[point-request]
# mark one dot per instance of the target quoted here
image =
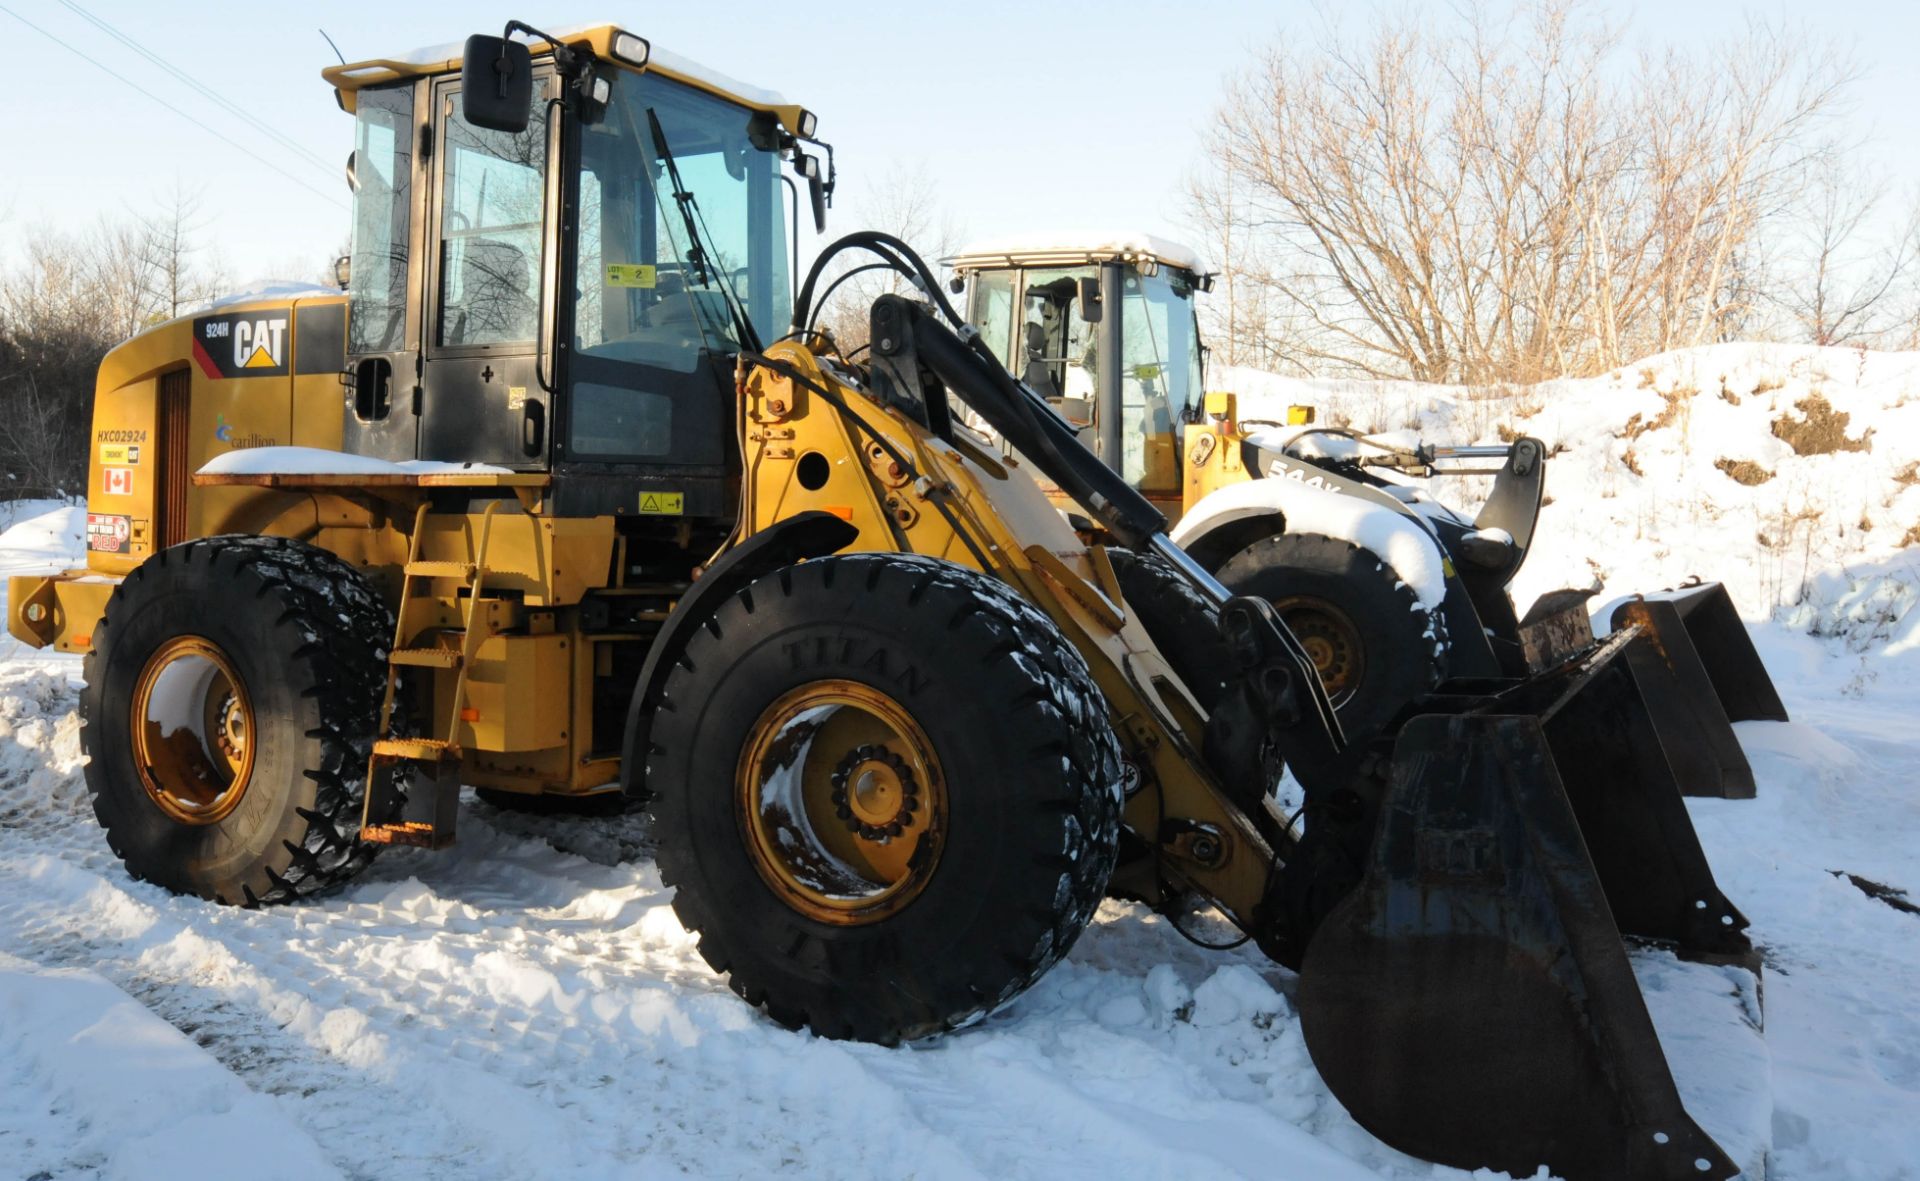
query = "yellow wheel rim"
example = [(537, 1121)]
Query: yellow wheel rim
[(193, 731), (842, 802), (1331, 639)]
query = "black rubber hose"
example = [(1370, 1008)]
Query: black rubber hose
[(897, 253)]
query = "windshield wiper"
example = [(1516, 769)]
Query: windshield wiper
[(706, 268)]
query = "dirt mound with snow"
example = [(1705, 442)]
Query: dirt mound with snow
[(1788, 472)]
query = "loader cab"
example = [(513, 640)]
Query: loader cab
[(1106, 332), (566, 295)]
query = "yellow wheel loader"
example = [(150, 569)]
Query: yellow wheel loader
[(1390, 591), (551, 503)]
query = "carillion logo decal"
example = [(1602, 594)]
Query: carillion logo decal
[(242, 344), (223, 431)]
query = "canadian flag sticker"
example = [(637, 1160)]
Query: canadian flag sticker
[(116, 481)]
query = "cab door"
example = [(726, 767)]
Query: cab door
[(489, 298)]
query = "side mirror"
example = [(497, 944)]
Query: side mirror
[(809, 167), (496, 84), (1091, 309), (817, 193)]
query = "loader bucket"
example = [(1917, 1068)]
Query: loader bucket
[(1470, 1001), (1699, 675)]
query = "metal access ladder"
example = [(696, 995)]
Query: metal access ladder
[(413, 781)]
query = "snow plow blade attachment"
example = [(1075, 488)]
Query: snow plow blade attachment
[(1700, 674), (1470, 1001)]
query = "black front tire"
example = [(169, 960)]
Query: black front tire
[(1030, 764), (306, 637)]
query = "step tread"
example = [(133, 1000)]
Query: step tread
[(426, 657), (431, 749), (433, 568), (408, 832)]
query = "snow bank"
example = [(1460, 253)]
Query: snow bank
[(313, 461), (90, 1079), (36, 533), (1676, 467)]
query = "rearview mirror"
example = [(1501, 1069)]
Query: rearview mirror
[(809, 167), (496, 84), (1091, 308), (817, 193)]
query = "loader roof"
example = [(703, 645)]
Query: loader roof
[(350, 77), (1070, 247)]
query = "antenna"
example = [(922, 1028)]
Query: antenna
[(335, 48)]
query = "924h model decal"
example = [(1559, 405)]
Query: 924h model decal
[(243, 344)]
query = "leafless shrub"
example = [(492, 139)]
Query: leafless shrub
[(1507, 198)]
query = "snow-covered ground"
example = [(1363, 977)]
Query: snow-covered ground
[(525, 1004)]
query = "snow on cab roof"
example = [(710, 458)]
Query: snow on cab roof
[(438, 58), (1070, 246), (266, 291)]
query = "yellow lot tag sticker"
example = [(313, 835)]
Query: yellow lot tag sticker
[(629, 274), (119, 454), (662, 504)]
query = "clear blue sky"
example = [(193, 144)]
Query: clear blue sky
[(1027, 114)]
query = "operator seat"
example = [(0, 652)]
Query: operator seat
[(1038, 377), (495, 307)]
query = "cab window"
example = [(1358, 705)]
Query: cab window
[(491, 214), (1160, 375), (382, 204), (991, 311)]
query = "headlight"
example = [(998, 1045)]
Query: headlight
[(807, 123), (631, 49)]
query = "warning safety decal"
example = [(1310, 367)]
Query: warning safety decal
[(108, 534), (243, 344)]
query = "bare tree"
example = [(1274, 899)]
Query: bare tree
[(177, 276), (65, 301), (905, 202), (1843, 274), (1507, 199)]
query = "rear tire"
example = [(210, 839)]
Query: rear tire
[(941, 687), (231, 698), (1184, 626), (1376, 646)]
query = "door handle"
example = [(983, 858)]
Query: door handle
[(533, 427)]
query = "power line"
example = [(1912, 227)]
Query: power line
[(234, 144), (202, 88)]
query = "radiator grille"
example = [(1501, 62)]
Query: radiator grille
[(175, 397)]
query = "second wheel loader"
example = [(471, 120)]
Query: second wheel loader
[(548, 505), (1391, 591)]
